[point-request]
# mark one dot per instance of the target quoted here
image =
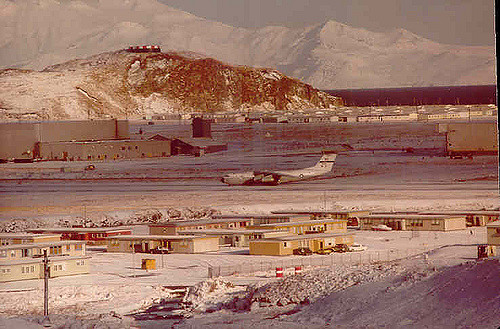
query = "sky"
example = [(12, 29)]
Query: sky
[(463, 22)]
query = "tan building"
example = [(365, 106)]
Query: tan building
[(20, 138), (24, 261), (176, 227), (179, 244), (282, 246), (493, 233), (473, 217), (265, 219), (307, 227), (102, 150), (471, 138), (235, 237), (414, 222), (349, 215), (27, 238), (91, 235)]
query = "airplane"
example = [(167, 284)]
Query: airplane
[(324, 165)]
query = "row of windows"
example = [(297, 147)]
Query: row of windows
[(28, 269)]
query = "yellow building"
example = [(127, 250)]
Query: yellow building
[(26, 238), (282, 246), (414, 222), (183, 244), (305, 227), (24, 261)]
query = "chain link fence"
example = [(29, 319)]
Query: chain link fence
[(349, 258)]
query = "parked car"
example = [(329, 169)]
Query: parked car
[(90, 167), (341, 248), (357, 247), (159, 250), (381, 227), (302, 251), (327, 251)]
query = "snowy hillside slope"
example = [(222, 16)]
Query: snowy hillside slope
[(329, 55), (132, 85)]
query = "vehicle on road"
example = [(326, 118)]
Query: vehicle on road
[(381, 227), (327, 251), (324, 166), (357, 247), (340, 248), (302, 251), (159, 251)]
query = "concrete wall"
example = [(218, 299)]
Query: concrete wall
[(480, 137), (103, 150)]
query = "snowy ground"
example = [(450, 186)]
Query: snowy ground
[(35, 194)]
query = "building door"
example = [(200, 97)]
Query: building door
[(321, 245), (399, 226), (146, 246)]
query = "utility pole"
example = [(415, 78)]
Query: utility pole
[(46, 274)]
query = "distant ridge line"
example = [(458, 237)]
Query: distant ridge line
[(413, 96)]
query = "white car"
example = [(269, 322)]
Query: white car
[(357, 247), (381, 227)]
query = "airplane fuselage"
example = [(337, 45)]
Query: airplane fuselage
[(324, 165)]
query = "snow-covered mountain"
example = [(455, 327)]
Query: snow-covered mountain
[(331, 55)]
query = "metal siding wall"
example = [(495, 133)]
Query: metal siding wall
[(474, 137), (17, 138)]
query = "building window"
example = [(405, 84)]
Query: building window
[(68, 247), (25, 253), (78, 247), (285, 244)]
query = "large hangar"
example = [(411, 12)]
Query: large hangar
[(467, 138), (75, 140)]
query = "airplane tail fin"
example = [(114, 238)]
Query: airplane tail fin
[(327, 161)]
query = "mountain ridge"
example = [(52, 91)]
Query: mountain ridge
[(328, 55)]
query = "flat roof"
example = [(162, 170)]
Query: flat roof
[(42, 244), (325, 212), (304, 237), (465, 212), (82, 229), (409, 216), (253, 216), (305, 222), (26, 235), (154, 237), (200, 222), (227, 231)]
